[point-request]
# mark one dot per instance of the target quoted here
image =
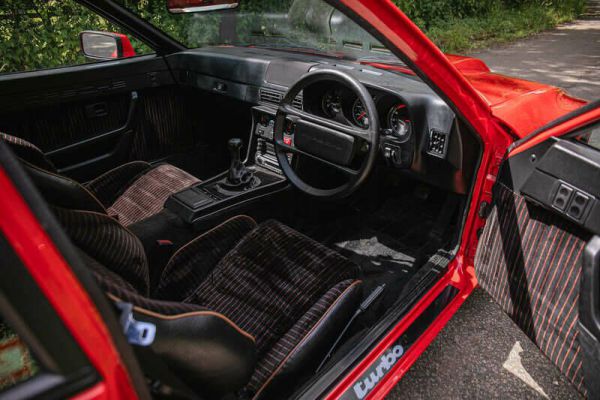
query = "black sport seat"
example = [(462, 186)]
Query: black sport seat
[(242, 308), (131, 192)]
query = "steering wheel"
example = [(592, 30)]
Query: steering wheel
[(325, 140)]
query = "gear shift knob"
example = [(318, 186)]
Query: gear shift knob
[(235, 145), (236, 167)]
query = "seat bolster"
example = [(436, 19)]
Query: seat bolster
[(111, 184), (204, 349), (63, 192), (301, 363)]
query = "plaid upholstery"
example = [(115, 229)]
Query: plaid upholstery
[(146, 196), (110, 244), (270, 279), (28, 152), (191, 264), (110, 185), (293, 337), (529, 260)]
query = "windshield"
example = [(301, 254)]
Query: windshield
[(301, 25)]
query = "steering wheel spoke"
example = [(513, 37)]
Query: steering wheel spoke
[(294, 115), (291, 149)]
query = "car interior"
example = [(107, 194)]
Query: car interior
[(269, 212)]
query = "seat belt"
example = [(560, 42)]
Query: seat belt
[(161, 381), (362, 308)]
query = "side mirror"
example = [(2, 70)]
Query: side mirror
[(105, 45), (192, 6)]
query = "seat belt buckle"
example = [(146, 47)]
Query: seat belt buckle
[(137, 332)]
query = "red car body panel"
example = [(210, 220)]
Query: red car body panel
[(498, 108), (516, 102), (59, 285), (513, 101)]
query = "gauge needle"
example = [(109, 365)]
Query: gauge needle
[(362, 115)]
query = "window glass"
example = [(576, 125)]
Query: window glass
[(311, 26), (16, 362), (590, 136), (40, 34)]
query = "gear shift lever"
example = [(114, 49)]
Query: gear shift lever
[(239, 178), (236, 168)]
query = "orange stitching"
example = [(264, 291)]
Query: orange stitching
[(282, 363), (185, 315)]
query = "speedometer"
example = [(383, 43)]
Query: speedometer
[(359, 114), (399, 123)]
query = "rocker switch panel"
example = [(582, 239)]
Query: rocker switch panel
[(579, 204), (571, 201), (562, 197)]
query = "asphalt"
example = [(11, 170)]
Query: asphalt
[(481, 353)]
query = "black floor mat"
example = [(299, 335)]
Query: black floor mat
[(389, 239)]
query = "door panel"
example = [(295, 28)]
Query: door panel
[(531, 253), (83, 117), (529, 260)]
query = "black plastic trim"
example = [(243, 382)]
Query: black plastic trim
[(543, 171), (589, 317)]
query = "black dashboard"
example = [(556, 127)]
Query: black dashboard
[(419, 131)]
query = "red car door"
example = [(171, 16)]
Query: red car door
[(539, 253), (56, 332)]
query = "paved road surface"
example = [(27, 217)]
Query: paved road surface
[(481, 354), (567, 57)]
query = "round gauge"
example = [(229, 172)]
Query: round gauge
[(359, 114), (331, 103), (399, 123)]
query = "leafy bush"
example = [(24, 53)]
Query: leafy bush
[(36, 34)]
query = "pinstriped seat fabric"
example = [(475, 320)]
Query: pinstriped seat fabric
[(243, 309), (131, 192), (287, 292)]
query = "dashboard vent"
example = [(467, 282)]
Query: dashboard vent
[(272, 96)]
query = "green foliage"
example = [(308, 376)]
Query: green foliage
[(36, 34), (502, 24), (432, 13)]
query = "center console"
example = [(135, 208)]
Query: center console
[(245, 181)]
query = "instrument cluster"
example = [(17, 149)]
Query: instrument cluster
[(343, 106)]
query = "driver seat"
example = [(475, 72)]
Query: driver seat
[(245, 308)]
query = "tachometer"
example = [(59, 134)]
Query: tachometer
[(399, 123), (359, 114), (331, 103)]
